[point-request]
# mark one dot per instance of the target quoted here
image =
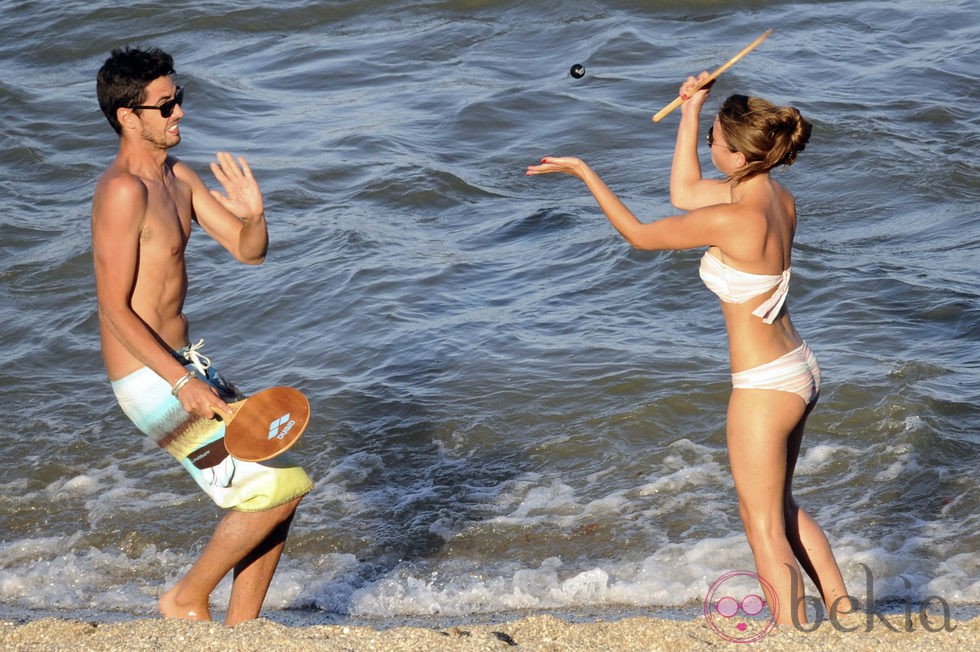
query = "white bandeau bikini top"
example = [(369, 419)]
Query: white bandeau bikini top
[(735, 286)]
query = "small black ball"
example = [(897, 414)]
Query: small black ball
[(577, 71)]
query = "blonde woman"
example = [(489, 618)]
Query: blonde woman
[(747, 221)]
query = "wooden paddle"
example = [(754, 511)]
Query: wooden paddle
[(266, 423), (710, 78)]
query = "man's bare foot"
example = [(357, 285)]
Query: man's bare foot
[(170, 608)]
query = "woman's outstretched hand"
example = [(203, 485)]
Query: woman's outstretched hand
[(567, 164)]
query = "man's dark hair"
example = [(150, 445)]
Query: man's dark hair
[(124, 76)]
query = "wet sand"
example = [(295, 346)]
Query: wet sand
[(538, 632)]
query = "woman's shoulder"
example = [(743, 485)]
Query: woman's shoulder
[(736, 229)]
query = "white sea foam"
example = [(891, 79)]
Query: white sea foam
[(84, 578), (677, 576)]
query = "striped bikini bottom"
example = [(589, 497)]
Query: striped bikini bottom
[(796, 372)]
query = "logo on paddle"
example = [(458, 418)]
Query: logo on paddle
[(281, 426)]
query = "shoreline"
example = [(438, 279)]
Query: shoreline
[(540, 631)]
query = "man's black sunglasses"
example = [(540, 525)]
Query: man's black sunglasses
[(167, 108)]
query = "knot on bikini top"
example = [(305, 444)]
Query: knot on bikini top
[(735, 286)]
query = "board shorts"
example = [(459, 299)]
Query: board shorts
[(198, 444)]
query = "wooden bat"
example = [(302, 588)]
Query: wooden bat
[(710, 78)]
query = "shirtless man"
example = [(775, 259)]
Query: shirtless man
[(142, 212)]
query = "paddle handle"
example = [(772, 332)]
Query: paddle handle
[(227, 417), (710, 78)]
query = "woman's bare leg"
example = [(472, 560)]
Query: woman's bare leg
[(759, 423), (765, 428), (808, 539)]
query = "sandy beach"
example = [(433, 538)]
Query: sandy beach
[(539, 632)]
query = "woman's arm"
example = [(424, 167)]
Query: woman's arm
[(701, 228), (688, 189)]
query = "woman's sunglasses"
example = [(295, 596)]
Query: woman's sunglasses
[(167, 108), (710, 138)]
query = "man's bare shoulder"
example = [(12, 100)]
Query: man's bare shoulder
[(119, 193), (182, 171), (117, 178)]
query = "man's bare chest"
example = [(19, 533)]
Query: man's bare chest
[(167, 222)]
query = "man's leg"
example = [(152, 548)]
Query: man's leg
[(253, 574), (236, 537)]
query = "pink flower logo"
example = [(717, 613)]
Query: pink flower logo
[(734, 612)]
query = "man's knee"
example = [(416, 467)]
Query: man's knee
[(277, 515), (287, 510)]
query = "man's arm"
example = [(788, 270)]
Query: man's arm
[(235, 219), (118, 213), (117, 220)]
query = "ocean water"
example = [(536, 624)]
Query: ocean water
[(513, 411)]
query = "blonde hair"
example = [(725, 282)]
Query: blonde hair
[(766, 134)]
